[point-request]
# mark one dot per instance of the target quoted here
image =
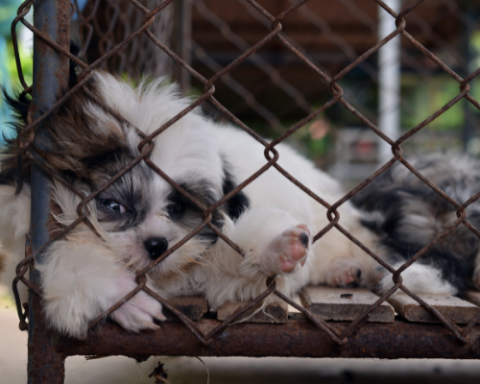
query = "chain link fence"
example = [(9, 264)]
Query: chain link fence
[(109, 41)]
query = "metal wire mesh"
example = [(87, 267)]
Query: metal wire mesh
[(104, 24), (142, 30), (331, 38)]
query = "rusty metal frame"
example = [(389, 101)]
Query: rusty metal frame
[(50, 74), (308, 336), (297, 337)]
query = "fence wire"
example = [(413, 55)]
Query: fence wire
[(128, 41)]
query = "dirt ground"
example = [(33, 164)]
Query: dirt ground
[(122, 370)]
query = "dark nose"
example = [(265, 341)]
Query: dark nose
[(155, 246)]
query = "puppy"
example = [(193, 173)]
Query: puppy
[(141, 216), (407, 215)]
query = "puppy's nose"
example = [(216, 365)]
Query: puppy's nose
[(155, 246)]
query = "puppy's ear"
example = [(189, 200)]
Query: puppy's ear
[(20, 104), (80, 136)]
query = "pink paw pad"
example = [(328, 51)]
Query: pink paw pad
[(289, 249)]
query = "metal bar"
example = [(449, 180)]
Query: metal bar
[(298, 338), (50, 79), (388, 81)]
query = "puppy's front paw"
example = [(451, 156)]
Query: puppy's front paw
[(287, 250), (344, 273), (139, 313)]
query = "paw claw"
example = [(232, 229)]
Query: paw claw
[(304, 239), (345, 273)]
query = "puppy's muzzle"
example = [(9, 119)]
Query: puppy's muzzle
[(155, 246)]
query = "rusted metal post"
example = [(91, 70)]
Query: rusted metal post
[(50, 78), (389, 74), (299, 338)]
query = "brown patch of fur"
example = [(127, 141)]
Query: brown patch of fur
[(73, 137), (189, 266), (159, 276), (116, 130)]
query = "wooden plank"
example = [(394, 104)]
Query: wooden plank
[(473, 297), (344, 304), (291, 308), (194, 307), (457, 310), (275, 313)]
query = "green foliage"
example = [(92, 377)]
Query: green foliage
[(422, 98), (9, 78), (26, 60)]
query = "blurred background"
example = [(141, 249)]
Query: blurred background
[(396, 89)]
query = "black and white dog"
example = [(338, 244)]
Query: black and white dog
[(141, 215), (407, 215)]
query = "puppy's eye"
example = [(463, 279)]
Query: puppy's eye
[(113, 206), (176, 208)]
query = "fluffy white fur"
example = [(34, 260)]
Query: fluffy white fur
[(419, 278), (84, 275)]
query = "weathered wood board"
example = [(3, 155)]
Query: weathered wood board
[(275, 313), (457, 310), (194, 307), (344, 304), (473, 297)]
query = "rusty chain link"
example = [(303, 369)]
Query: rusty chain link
[(115, 45)]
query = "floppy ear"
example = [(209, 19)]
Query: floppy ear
[(70, 131), (76, 134), (80, 134)]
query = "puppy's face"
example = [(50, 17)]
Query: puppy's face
[(142, 213), (145, 217)]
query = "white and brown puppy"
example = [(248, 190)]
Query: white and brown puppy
[(141, 215)]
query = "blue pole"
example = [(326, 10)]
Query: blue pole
[(50, 79)]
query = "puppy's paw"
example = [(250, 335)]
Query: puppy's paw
[(139, 313), (344, 273), (288, 250)]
